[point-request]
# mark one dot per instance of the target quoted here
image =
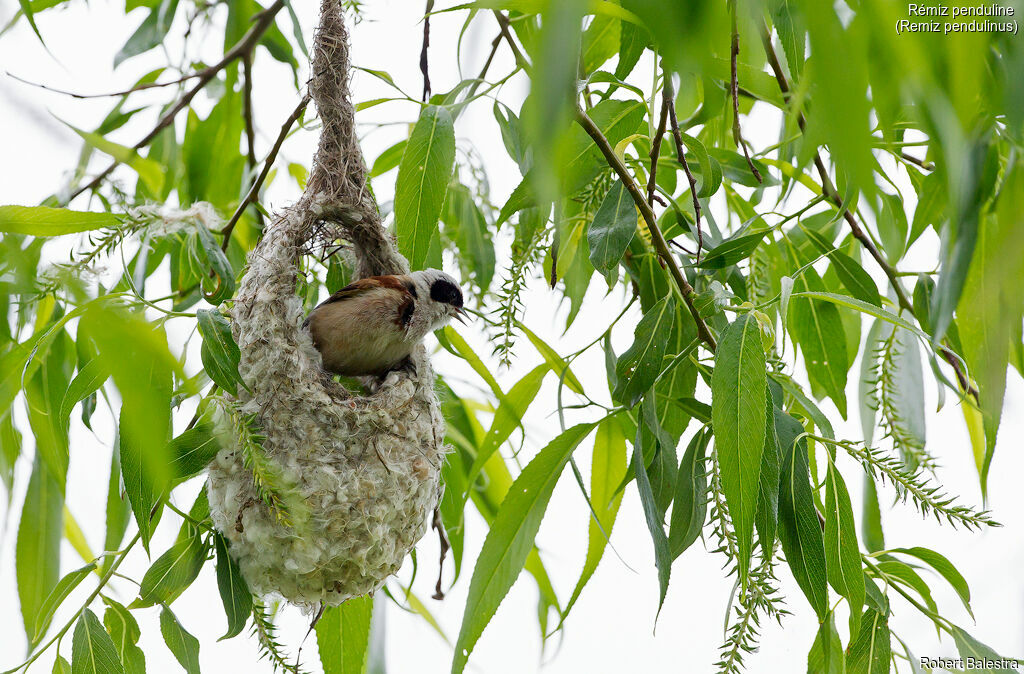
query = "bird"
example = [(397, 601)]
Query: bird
[(370, 327)]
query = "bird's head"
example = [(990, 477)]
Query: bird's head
[(439, 295)]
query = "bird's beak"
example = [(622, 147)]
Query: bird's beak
[(460, 315)]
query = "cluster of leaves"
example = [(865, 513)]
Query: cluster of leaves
[(731, 252)]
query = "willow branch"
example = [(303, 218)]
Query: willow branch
[(244, 46), (268, 164), (656, 149), (677, 135), (114, 94), (685, 289), (734, 86), (858, 232)]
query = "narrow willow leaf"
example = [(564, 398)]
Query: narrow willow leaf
[(709, 168), (234, 593), (871, 529), (607, 470), (510, 538), (554, 361), (826, 655), (190, 452), (969, 647), (690, 503), (124, 632), (867, 383), (92, 651), (118, 512), (61, 666), (799, 528), (46, 221), (818, 329), (738, 404), (870, 653), (653, 516), (60, 592), (638, 368), (945, 569), (509, 416), (37, 552), (10, 449), (874, 598), (659, 451), (731, 251), (219, 352), (422, 182), (172, 572), (183, 645), (612, 229), (898, 571), (343, 636), (766, 522), (842, 555), (88, 380), (853, 276)]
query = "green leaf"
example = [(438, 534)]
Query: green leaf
[(853, 276), (118, 513), (46, 221), (423, 177), (151, 33), (183, 645), (554, 361), (510, 538), (818, 329), (607, 471), (61, 666), (37, 552), (709, 168), (731, 251), (88, 380), (653, 515), (945, 569), (466, 225), (26, 9), (343, 636), (222, 272), (766, 522), (842, 555), (612, 228), (124, 632), (234, 593), (871, 529), (870, 653), (969, 647), (640, 365), (10, 449), (508, 417), (172, 572), (830, 658), (60, 592), (600, 42), (92, 651), (690, 500), (190, 452), (799, 528), (150, 172), (219, 352), (738, 403)]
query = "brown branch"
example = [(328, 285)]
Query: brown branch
[(250, 124), (268, 164), (677, 135), (139, 87), (685, 289), (656, 149), (734, 86), (858, 232), (263, 21), (926, 165), (424, 63)]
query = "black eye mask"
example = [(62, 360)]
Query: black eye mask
[(446, 292)]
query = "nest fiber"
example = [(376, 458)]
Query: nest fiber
[(366, 469)]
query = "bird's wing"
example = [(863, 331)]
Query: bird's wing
[(373, 283)]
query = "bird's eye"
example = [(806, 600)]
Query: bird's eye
[(446, 292)]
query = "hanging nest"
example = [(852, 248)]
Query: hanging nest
[(365, 470)]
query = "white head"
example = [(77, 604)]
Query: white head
[(438, 300)]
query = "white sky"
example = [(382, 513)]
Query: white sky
[(611, 629)]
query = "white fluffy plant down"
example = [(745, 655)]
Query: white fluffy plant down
[(360, 475)]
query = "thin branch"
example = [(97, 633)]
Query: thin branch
[(521, 60), (670, 100), (656, 149), (250, 124), (685, 289), (829, 191), (254, 191), (926, 165), (263, 21), (424, 63), (139, 87), (734, 53)]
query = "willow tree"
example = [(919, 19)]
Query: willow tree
[(759, 275)]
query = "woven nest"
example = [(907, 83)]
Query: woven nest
[(366, 468)]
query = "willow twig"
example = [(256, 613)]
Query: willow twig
[(677, 135), (734, 85), (656, 149), (685, 289)]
